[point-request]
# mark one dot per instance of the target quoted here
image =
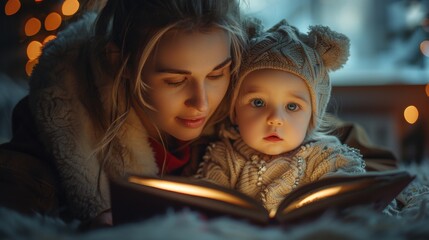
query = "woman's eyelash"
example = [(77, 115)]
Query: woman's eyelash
[(215, 76), (175, 83)]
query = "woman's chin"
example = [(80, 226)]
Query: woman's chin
[(188, 136)]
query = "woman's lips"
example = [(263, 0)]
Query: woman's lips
[(192, 123), (273, 138)]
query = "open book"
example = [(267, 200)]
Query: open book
[(140, 197)]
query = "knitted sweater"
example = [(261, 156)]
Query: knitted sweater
[(233, 164)]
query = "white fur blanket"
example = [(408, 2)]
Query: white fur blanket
[(360, 223)]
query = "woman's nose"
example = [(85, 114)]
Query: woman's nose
[(198, 98)]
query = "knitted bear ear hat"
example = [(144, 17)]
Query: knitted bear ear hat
[(310, 56)]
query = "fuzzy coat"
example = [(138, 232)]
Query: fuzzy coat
[(59, 89)]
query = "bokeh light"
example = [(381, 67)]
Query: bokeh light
[(30, 65), (32, 26), (34, 49), (12, 7), (52, 21), (40, 22), (424, 48), (411, 114), (48, 38), (70, 7)]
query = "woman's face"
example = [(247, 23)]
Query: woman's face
[(188, 76)]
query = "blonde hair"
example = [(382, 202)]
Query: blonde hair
[(136, 27)]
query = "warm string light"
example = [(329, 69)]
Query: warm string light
[(12, 7), (33, 26), (424, 47), (34, 49), (411, 114), (48, 38), (53, 21), (70, 7), (30, 65)]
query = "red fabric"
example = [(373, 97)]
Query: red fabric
[(172, 162)]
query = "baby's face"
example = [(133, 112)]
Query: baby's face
[(273, 111)]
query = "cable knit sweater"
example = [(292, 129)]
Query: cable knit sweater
[(233, 164)]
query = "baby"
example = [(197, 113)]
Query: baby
[(278, 137)]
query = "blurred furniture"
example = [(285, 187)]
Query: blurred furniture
[(379, 109)]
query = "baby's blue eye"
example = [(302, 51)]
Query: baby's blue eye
[(292, 107), (257, 102)]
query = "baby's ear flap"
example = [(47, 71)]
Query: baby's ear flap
[(332, 47), (114, 59)]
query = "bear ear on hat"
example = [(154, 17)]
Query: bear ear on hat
[(285, 26), (274, 28), (332, 47)]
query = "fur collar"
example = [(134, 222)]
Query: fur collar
[(58, 88)]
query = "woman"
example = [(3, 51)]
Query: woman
[(131, 95)]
